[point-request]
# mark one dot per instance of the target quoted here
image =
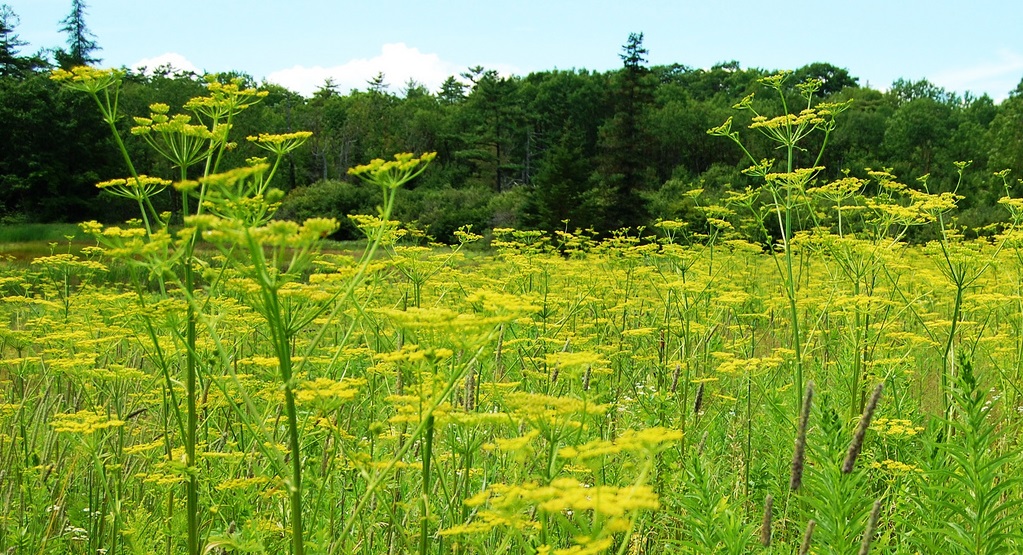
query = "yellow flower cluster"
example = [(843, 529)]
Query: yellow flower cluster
[(392, 174), (806, 117), (735, 366), (585, 546), (514, 444), (647, 440), (84, 422), (570, 360), (179, 124), (895, 467), (567, 494), (87, 79), (281, 143), (895, 427), (796, 178), (325, 391), (137, 188), (224, 99), (533, 405)]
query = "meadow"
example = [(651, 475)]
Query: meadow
[(789, 375)]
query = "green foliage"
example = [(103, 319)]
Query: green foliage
[(11, 63), (442, 211), (1005, 134), (330, 199), (590, 147), (21, 233), (971, 503), (56, 150)]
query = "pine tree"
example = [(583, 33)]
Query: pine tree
[(625, 164), (10, 63), (79, 39), (452, 91)]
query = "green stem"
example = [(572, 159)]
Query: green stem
[(192, 487), (427, 452), (854, 391), (948, 367), (281, 346)]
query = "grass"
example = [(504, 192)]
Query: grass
[(23, 242), (34, 233)]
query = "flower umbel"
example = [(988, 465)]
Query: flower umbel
[(281, 143), (393, 173), (88, 79), (137, 188)]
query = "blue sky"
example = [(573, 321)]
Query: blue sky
[(963, 46)]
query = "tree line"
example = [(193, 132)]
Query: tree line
[(550, 150)]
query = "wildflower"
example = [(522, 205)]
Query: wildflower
[(648, 440), (810, 86), (174, 137), (515, 444), (794, 179), (328, 393), (775, 81), (143, 447), (895, 467), (282, 143), (567, 494), (724, 130), (88, 79), (233, 178), (394, 173), (224, 99), (550, 408), (137, 188), (84, 422), (895, 427), (746, 102)]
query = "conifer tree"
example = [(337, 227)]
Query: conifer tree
[(10, 63), (81, 45), (624, 167)]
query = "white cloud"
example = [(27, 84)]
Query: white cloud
[(996, 77), (172, 59), (397, 62)]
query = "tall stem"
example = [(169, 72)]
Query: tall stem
[(427, 455), (191, 370), (280, 340), (790, 283), (192, 487)]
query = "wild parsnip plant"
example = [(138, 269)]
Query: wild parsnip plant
[(785, 187), (213, 381)]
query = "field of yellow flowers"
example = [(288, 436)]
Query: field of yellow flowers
[(560, 395), (787, 376)]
